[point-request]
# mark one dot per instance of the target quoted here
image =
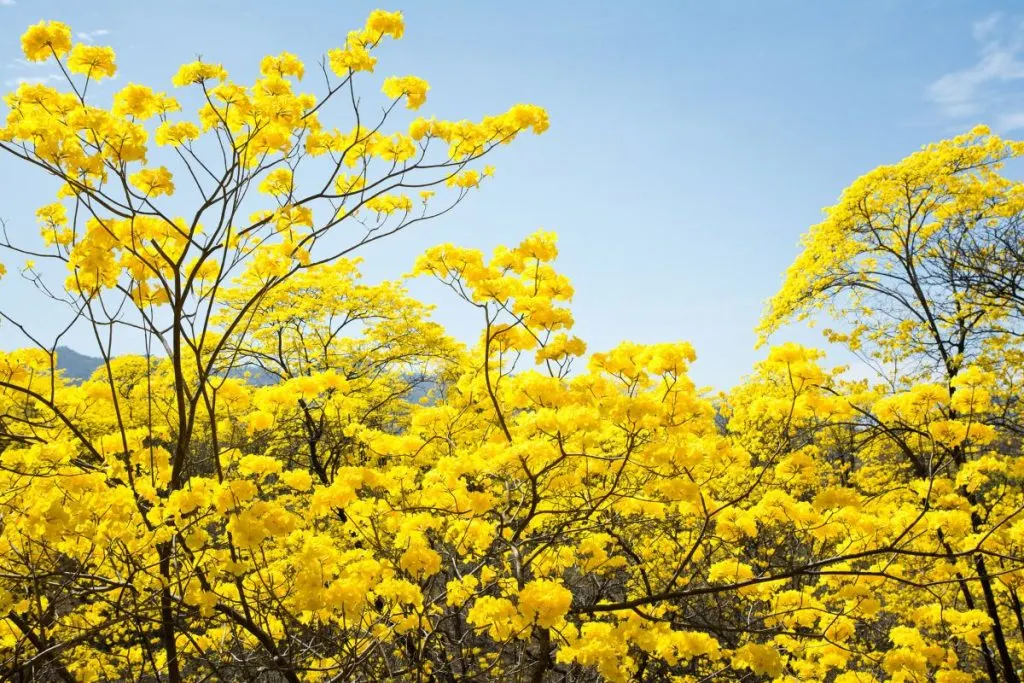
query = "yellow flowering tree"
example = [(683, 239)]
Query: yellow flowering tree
[(173, 242), (304, 478), (917, 261)]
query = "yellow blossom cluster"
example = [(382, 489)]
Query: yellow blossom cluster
[(302, 475)]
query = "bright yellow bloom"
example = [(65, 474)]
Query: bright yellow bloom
[(43, 40), (141, 102), (414, 89), (277, 182), (382, 23), (197, 73), (544, 601), (175, 134), (153, 182), (94, 61), (284, 64)]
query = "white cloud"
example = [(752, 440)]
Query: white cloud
[(7, 3), (91, 36), (983, 28), (1012, 121), (987, 86), (20, 63), (15, 82), (964, 92)]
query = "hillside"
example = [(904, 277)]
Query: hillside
[(76, 366)]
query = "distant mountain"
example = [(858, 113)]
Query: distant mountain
[(76, 366), (421, 389), (79, 367), (258, 377)]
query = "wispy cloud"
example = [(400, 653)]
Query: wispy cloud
[(1012, 121), (15, 82), (7, 3), (987, 89), (91, 36), (20, 63), (983, 28)]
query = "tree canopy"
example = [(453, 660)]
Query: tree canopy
[(395, 504)]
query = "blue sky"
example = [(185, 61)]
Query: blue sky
[(691, 142)]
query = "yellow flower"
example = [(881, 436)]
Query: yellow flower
[(761, 659), (284, 64), (460, 590), (389, 203), (381, 23), (415, 89), (300, 480), (139, 101), (277, 182), (419, 128), (93, 61), (43, 40), (198, 72), (544, 601), (153, 182), (420, 560), (259, 466), (498, 615), (354, 58), (467, 179), (729, 571), (175, 134)]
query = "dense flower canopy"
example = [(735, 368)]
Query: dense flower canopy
[(305, 478)]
